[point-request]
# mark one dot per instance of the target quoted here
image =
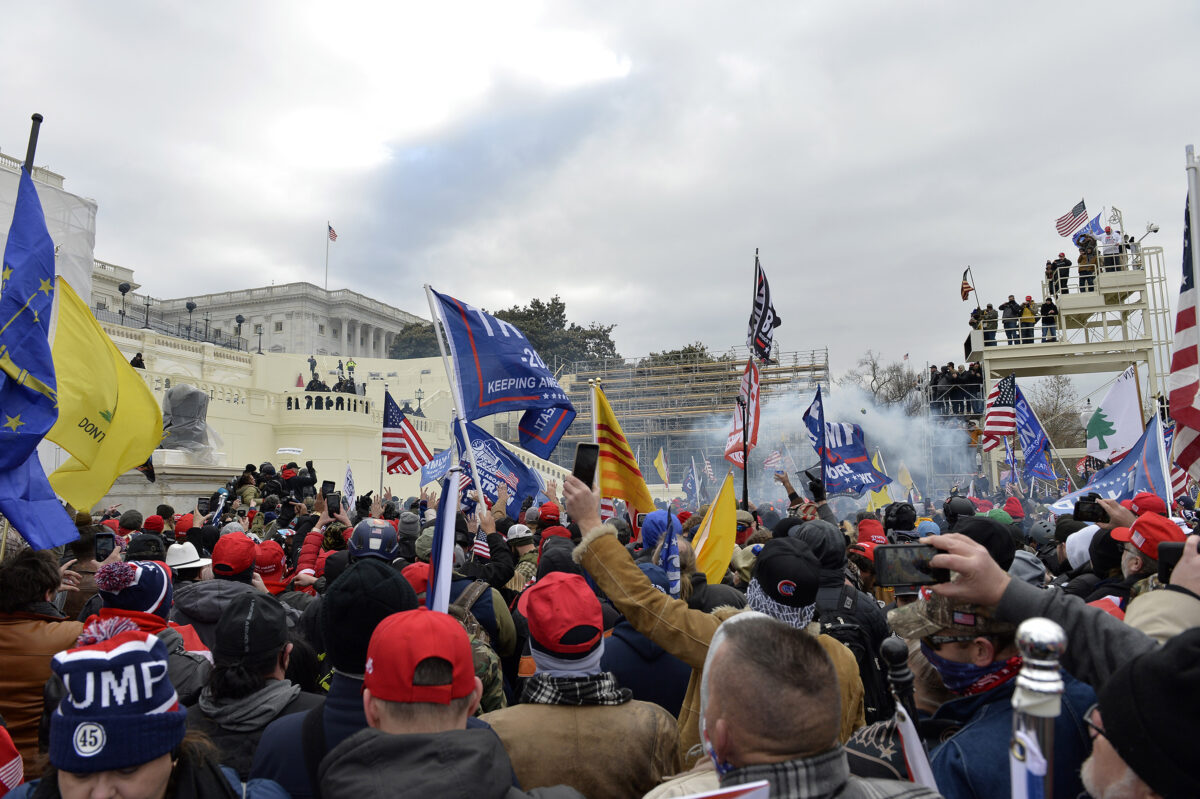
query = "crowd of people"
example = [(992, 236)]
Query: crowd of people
[(276, 643), (956, 391)]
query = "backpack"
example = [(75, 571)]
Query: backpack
[(461, 610), (877, 699)]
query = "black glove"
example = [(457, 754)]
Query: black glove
[(817, 490)]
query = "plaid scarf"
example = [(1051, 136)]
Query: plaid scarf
[(592, 689)]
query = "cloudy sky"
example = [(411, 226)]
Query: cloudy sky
[(629, 156)]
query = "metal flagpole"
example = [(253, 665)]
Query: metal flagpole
[(745, 403), (1193, 180), (382, 457), (327, 228), (438, 331), (1037, 702)]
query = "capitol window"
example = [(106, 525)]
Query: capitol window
[(320, 330), (279, 327)]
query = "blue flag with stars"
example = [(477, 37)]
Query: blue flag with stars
[(498, 371), (28, 391)]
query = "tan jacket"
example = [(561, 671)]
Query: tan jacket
[(27, 643), (601, 751), (1163, 614), (686, 633)]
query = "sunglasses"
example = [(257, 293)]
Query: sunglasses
[(1094, 729), (936, 641)]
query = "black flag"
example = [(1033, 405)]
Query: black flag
[(763, 319)]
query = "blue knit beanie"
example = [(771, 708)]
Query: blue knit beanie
[(119, 710), (655, 525), (928, 528), (142, 585)]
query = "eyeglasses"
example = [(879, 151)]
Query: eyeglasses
[(741, 528), (1094, 729), (936, 641)]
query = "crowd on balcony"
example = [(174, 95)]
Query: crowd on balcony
[(956, 390), (1018, 320)]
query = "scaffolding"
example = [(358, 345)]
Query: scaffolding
[(682, 403)]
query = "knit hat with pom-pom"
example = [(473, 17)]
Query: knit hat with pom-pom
[(141, 585)]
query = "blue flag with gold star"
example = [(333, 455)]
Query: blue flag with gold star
[(28, 391)]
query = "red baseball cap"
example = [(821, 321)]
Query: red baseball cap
[(1145, 502), (417, 575), (871, 530), (234, 554), (183, 522), (111, 524), (564, 615), (399, 644), (1148, 532), (271, 565), (866, 549), (548, 512)]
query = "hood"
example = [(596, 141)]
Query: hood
[(250, 713), (460, 764), (556, 557), (826, 542), (642, 646), (204, 601)]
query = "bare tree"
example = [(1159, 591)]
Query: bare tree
[(1056, 403), (891, 384)]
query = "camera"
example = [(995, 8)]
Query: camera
[(1088, 509)]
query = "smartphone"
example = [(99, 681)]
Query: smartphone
[(1088, 509), (641, 520), (202, 504), (1168, 555), (586, 458), (105, 544), (327, 487), (334, 501), (907, 564)]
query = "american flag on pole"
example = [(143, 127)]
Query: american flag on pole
[(1185, 370), (965, 290), (1001, 417), (707, 468), (773, 461), (332, 232), (406, 453), (1179, 477), (1068, 222), (607, 509), (481, 548)]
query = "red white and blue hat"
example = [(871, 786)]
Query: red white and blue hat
[(119, 709)]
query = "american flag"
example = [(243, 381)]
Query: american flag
[(406, 453), (607, 509), (1179, 477), (332, 232), (965, 289), (481, 548), (1185, 371), (773, 460), (1001, 417), (1068, 222), (708, 469)]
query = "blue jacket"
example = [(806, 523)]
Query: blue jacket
[(645, 668), (254, 789), (280, 755), (973, 764)]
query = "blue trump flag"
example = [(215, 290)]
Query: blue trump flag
[(436, 469), (498, 371), (845, 464), (691, 485), (1035, 446), (1094, 227), (28, 390), (496, 464), (1144, 468), (668, 559)]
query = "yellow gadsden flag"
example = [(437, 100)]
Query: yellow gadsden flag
[(107, 418), (883, 497), (660, 466), (716, 535), (620, 476)]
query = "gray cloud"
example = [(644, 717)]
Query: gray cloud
[(871, 150)]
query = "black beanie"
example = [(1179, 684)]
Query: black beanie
[(994, 536), (366, 594), (1147, 707), (1064, 526), (782, 527)]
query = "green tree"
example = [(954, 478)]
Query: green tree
[(1099, 426), (556, 339), (690, 353), (415, 340)]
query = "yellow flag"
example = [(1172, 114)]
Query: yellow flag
[(620, 476), (883, 497), (107, 418), (717, 533), (660, 466), (905, 480)]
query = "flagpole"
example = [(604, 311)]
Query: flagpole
[(1193, 180), (382, 457), (454, 388), (31, 149), (327, 227), (978, 307)]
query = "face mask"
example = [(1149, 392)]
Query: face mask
[(967, 679), (722, 768)]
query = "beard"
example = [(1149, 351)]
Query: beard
[(1127, 787)]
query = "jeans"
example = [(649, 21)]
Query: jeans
[(1049, 331), (1087, 282), (989, 338), (1027, 332), (1010, 331)]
